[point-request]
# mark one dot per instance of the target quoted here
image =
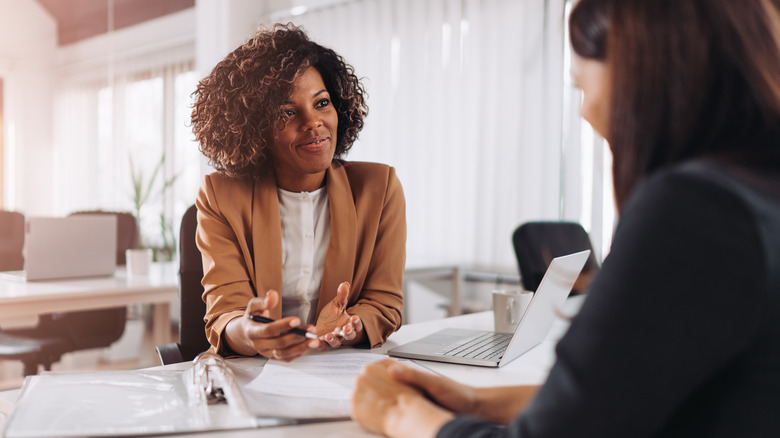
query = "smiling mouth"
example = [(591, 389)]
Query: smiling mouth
[(314, 142)]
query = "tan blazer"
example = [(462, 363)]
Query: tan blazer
[(240, 238)]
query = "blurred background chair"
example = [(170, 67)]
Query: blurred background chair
[(537, 243), (192, 327), (11, 240), (60, 333), (12, 259)]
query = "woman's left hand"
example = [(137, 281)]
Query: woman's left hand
[(335, 326)]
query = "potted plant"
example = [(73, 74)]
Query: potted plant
[(144, 190)]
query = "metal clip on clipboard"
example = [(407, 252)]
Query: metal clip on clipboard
[(213, 383)]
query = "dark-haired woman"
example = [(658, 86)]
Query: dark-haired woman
[(288, 229), (680, 333)]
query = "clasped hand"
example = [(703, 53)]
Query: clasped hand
[(335, 327), (397, 401)]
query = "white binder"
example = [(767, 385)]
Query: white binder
[(206, 396)]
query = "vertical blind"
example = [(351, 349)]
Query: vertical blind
[(466, 100)]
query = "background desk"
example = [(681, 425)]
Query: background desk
[(22, 302), (460, 289), (530, 368)]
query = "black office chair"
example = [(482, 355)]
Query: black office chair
[(60, 333), (537, 243), (192, 327)]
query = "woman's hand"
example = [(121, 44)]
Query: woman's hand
[(272, 340), (500, 404), (382, 404), (447, 393), (335, 326)]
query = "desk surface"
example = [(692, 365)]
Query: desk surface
[(21, 302), (530, 368)]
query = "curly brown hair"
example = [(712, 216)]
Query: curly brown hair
[(237, 111)]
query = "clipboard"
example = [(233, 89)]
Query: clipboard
[(205, 397)]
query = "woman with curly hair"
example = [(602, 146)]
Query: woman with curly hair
[(680, 333), (288, 230)]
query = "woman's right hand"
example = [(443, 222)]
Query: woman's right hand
[(272, 340)]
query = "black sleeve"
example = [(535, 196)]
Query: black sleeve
[(471, 427), (677, 298)]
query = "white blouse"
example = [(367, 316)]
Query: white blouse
[(305, 238)]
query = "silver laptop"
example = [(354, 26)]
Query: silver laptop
[(68, 247), (494, 349)]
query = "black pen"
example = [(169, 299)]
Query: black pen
[(296, 330)]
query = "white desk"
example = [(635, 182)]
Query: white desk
[(22, 302), (530, 368)]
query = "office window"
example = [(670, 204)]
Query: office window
[(125, 145)]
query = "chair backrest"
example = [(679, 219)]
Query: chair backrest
[(192, 328), (101, 327), (127, 233), (537, 243), (11, 240)]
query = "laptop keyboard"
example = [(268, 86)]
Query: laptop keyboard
[(485, 346)]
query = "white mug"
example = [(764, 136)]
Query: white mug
[(509, 307), (138, 262)]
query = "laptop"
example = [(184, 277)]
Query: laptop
[(68, 247), (494, 349)]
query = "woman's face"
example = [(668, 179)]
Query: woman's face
[(304, 149), (592, 77)]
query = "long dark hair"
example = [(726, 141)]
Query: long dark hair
[(588, 28), (690, 78)]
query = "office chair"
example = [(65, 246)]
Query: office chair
[(60, 333), (11, 240), (12, 347), (537, 243), (192, 327)]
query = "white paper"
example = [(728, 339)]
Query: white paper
[(323, 376)]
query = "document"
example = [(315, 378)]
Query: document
[(321, 376)]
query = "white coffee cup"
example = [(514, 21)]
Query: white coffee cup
[(138, 262), (509, 307)]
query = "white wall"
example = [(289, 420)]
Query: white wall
[(27, 46)]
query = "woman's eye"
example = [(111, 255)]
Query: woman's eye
[(289, 112), (323, 103)]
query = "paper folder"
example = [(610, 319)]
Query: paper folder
[(204, 397)]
